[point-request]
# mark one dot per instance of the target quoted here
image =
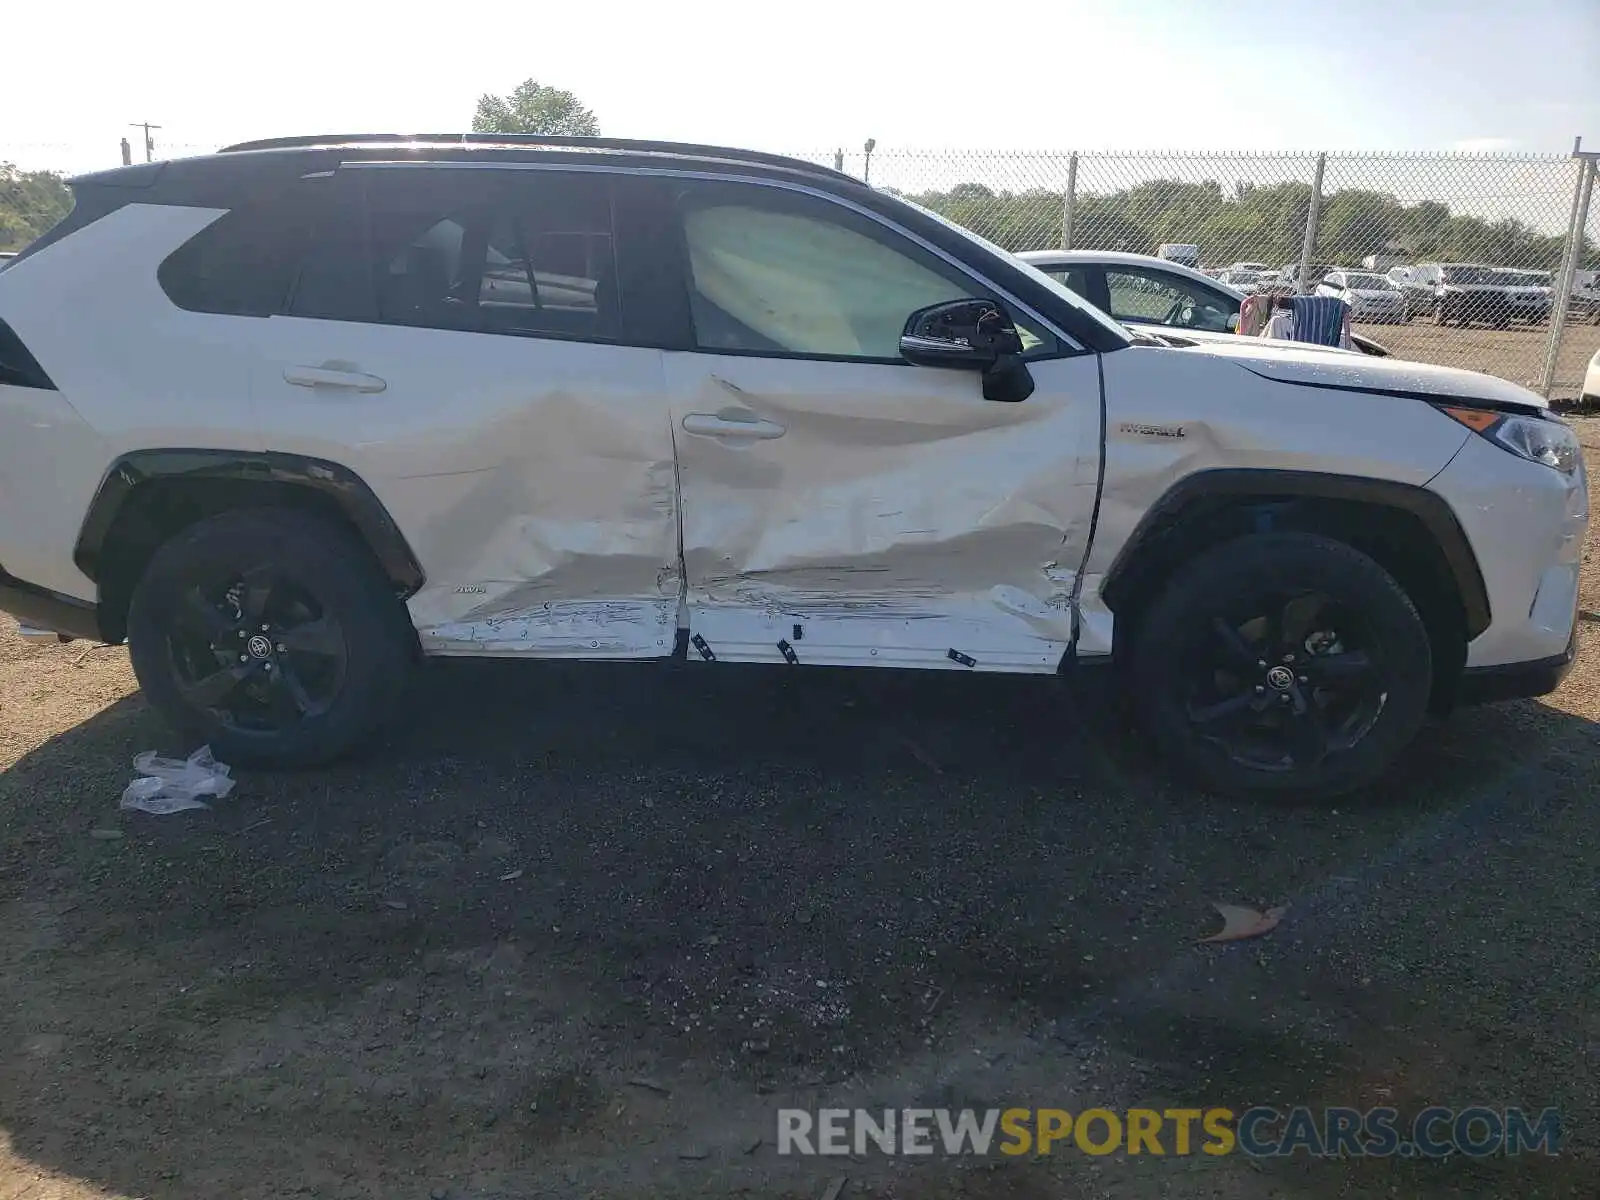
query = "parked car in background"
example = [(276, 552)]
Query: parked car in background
[(1465, 293), (1246, 279), (1418, 296), (282, 418), (1591, 381), (1186, 253), (5, 257), (1259, 268), (1534, 299), (1370, 296), (1289, 276), (1156, 295)]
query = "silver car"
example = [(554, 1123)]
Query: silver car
[(1371, 297)]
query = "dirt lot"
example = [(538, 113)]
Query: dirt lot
[(1516, 353), (445, 970)]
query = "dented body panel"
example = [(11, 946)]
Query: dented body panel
[(534, 479), (882, 515)]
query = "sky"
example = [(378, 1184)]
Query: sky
[(1018, 74)]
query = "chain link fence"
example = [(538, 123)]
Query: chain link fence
[(1457, 259)]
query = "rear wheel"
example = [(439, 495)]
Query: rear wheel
[(1282, 663), (270, 634)]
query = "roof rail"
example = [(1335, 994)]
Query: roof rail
[(553, 141)]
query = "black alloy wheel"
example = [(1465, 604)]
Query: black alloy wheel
[(272, 635), (260, 653), (1281, 663), (1283, 682)]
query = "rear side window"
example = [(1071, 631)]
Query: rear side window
[(245, 261), (527, 253)]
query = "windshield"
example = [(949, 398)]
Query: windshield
[(1375, 282), (1487, 275), (1054, 285)]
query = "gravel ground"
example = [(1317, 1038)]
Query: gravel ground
[(582, 930)]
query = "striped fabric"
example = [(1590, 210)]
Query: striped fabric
[(1319, 319)]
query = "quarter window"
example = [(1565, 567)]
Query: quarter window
[(780, 273)]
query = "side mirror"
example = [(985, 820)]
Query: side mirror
[(971, 335)]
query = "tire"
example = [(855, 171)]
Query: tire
[(1240, 727), (271, 635)]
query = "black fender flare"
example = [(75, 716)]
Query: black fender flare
[(1273, 488), (338, 483)]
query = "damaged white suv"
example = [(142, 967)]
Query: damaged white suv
[(290, 416)]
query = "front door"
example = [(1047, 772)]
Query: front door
[(840, 506), (457, 338)]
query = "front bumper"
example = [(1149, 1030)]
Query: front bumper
[(1514, 681), (44, 609)]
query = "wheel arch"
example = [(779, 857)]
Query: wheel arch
[(150, 495), (1410, 531)]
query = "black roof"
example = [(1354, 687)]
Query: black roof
[(535, 142), (256, 168)]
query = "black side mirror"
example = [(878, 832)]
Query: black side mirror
[(972, 335)]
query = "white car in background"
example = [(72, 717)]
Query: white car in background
[(1370, 296), (1157, 297), (1591, 381)]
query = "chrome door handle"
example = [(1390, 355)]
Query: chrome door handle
[(350, 381), (732, 422)]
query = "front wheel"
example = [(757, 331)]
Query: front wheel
[(1284, 663), (270, 634)]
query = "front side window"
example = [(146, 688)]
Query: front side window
[(782, 273), (1157, 298)]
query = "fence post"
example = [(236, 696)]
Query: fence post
[(1568, 273), (1308, 247), (1069, 202)]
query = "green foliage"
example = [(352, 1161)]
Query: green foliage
[(30, 203), (1248, 222), (534, 108)]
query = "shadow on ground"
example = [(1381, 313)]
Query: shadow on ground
[(441, 966)]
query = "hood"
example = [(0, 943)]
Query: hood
[(1314, 366), (1374, 293)]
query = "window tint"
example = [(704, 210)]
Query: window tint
[(478, 251), (1157, 298), (776, 272), (244, 262)]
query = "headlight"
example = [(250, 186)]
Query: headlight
[(1537, 439)]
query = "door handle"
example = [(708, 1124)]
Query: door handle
[(732, 422), (350, 381)]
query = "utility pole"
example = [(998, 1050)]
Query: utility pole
[(127, 153), (866, 169), (149, 142)]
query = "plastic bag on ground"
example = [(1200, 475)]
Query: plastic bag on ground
[(169, 785)]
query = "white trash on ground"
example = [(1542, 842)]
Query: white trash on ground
[(169, 785)]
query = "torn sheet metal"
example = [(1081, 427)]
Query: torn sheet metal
[(897, 515)]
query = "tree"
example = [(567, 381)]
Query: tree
[(534, 108), (30, 203)]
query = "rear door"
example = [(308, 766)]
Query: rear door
[(456, 336), (841, 506)]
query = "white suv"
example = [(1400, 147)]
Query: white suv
[(293, 415)]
